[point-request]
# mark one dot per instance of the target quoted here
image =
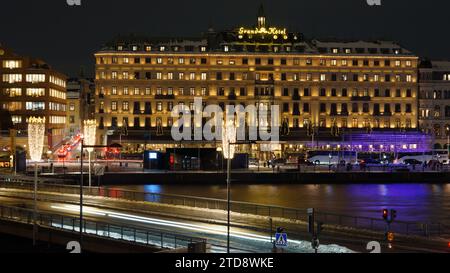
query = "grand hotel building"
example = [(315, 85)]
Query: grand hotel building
[(325, 89)]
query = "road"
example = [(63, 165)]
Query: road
[(248, 234)]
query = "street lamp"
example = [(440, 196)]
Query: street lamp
[(36, 133), (89, 130), (228, 149), (447, 128)]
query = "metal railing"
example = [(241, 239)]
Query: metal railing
[(357, 222), (147, 237)]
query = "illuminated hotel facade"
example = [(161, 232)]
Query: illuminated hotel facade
[(30, 87), (324, 89)]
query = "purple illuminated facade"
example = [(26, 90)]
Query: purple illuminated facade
[(388, 142)]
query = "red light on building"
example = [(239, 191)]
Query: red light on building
[(171, 159), (385, 214)]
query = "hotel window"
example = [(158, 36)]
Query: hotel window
[(323, 92), (397, 63), (232, 62), (355, 93), (162, 48), (181, 76), (376, 63), (120, 48), (125, 75), (158, 91), (114, 106), (192, 76), (232, 76), (322, 62), (387, 78), (204, 91), (296, 61), (226, 48), (408, 108), (158, 75), (387, 108), (344, 62), (126, 60), (333, 92), (147, 91), (323, 77), (148, 48), (12, 64), (114, 90), (366, 77), (308, 61), (221, 91), (170, 60), (114, 60), (159, 60), (245, 61), (285, 92), (125, 106), (114, 75), (355, 123), (408, 93), (35, 92), (148, 60), (344, 77), (398, 78), (257, 61), (180, 60), (347, 51), (192, 60), (219, 76), (169, 106), (387, 93), (219, 62), (355, 108), (159, 106), (408, 78), (34, 78), (203, 48), (308, 77), (181, 91), (323, 108), (365, 108), (344, 92), (192, 91), (170, 91), (333, 62), (376, 77), (366, 63), (398, 93), (137, 91), (355, 63), (72, 107), (170, 76), (203, 77)]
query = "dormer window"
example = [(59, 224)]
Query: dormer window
[(176, 48), (162, 48), (148, 48), (203, 48), (120, 48), (335, 50), (396, 51), (135, 48), (348, 51), (226, 48)]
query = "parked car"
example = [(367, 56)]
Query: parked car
[(412, 161)]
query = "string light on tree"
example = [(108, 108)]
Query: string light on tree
[(228, 136), (36, 134), (90, 127)]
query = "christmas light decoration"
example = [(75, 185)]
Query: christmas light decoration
[(36, 133), (228, 136)]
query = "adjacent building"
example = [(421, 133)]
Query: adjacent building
[(30, 87), (80, 103), (324, 88), (434, 101)]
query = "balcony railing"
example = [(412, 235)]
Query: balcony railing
[(164, 97), (361, 98)]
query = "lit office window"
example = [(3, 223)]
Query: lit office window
[(126, 60), (159, 60), (35, 105), (158, 75), (323, 77), (180, 60), (35, 92), (203, 77), (159, 106), (35, 78), (192, 76), (408, 78), (12, 64), (114, 75), (12, 92), (170, 75), (16, 119), (125, 106), (12, 78), (114, 106), (137, 91)]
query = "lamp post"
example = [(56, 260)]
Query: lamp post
[(36, 133), (89, 131), (447, 128), (228, 139)]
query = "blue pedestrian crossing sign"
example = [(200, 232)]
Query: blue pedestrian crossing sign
[(281, 239)]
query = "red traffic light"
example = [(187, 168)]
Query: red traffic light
[(385, 214), (448, 244)]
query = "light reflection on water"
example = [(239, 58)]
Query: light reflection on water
[(413, 202)]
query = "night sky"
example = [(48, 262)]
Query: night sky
[(67, 37)]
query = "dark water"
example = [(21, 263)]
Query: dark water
[(413, 202)]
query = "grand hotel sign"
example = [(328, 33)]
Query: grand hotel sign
[(262, 30)]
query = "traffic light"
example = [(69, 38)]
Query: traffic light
[(393, 214), (385, 214)]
